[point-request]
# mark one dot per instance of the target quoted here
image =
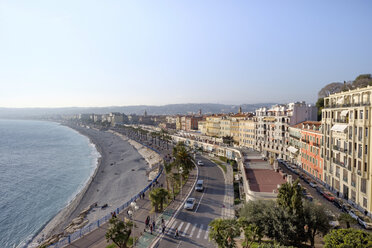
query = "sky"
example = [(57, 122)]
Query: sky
[(115, 53)]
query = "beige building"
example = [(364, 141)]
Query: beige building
[(213, 125), (225, 127), (246, 133), (346, 125)]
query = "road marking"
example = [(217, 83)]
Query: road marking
[(171, 228), (180, 226), (206, 233), (200, 230), (201, 198), (186, 228), (193, 230)]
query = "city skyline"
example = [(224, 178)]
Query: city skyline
[(94, 54)]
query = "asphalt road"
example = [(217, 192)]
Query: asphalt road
[(193, 225)]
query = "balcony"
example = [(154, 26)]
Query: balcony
[(340, 149), (347, 105), (341, 120), (338, 162)]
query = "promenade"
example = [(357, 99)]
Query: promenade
[(96, 238)]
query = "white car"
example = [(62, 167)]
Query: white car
[(200, 163), (353, 213), (313, 184), (365, 222), (189, 204)]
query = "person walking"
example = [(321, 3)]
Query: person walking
[(176, 235), (153, 225), (163, 228)]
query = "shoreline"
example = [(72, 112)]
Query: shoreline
[(88, 193)]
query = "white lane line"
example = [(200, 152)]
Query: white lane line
[(186, 228), (193, 230), (200, 230), (180, 226), (201, 198), (171, 228), (206, 233)]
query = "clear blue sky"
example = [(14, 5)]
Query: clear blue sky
[(103, 53)]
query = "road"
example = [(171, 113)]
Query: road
[(193, 225)]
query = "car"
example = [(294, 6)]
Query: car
[(200, 163), (189, 204), (365, 222), (296, 171), (308, 196), (313, 184), (337, 203), (353, 213), (328, 196), (306, 179), (333, 222), (199, 185), (320, 189), (346, 208)]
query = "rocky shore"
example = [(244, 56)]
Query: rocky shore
[(123, 170)]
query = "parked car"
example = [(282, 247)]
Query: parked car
[(365, 222), (328, 196), (189, 204), (306, 179), (353, 213), (296, 171), (346, 208), (337, 203), (320, 189), (309, 197), (313, 184), (200, 163), (333, 222)]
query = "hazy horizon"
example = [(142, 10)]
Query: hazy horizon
[(123, 53)]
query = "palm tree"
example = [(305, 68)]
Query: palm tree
[(183, 157), (158, 196), (168, 170), (223, 232)]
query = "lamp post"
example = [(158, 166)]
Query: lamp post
[(134, 208), (181, 171)]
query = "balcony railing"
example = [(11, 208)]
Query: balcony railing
[(342, 164), (341, 120), (340, 149), (347, 105)]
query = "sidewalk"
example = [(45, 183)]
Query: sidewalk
[(146, 239)]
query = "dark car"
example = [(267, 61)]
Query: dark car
[(346, 208), (320, 190), (338, 203), (306, 179)]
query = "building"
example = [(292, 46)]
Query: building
[(311, 159), (202, 127), (225, 127), (346, 125), (213, 125), (295, 145), (272, 124), (247, 133)]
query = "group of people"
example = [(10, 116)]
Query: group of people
[(152, 225), (113, 214)]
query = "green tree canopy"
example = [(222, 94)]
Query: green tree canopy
[(119, 232), (348, 238), (223, 232), (158, 197)]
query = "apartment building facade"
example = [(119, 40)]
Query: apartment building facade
[(346, 127), (247, 133), (272, 125)]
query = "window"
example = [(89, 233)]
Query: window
[(366, 150), (366, 132), (363, 185), (364, 202), (365, 166), (361, 114), (366, 115), (355, 114)]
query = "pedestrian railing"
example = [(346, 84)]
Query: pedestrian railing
[(92, 226)]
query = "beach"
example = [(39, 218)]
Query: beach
[(122, 171)]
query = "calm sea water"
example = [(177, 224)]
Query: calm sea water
[(43, 165)]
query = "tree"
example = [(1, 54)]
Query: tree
[(346, 219), (348, 238), (251, 232), (320, 105), (290, 197), (119, 232), (223, 232), (158, 196), (316, 221), (183, 157), (168, 170)]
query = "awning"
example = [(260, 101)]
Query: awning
[(344, 112), (339, 127), (292, 149)]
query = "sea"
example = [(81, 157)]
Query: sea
[(43, 165)]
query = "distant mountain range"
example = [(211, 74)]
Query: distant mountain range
[(170, 109)]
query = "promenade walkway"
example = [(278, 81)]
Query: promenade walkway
[(96, 238)]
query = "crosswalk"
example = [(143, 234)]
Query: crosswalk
[(186, 229)]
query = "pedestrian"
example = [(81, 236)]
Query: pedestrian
[(151, 229), (176, 235), (143, 195), (153, 224), (162, 221), (163, 228), (147, 222)]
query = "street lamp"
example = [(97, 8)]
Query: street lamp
[(181, 171), (134, 208)]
